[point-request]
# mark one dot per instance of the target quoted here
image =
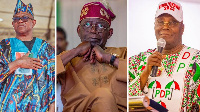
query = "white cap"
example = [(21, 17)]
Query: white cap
[(170, 7)]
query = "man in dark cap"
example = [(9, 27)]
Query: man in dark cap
[(93, 77), (27, 74)]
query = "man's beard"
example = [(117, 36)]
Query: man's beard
[(94, 43)]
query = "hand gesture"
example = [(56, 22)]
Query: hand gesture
[(30, 63), (153, 60), (100, 55), (83, 48)]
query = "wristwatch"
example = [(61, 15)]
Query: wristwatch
[(112, 59)]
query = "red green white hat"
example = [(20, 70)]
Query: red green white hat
[(170, 7)]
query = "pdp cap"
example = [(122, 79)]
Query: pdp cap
[(170, 7)]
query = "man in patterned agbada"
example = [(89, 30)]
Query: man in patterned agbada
[(27, 79)]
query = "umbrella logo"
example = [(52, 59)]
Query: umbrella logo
[(198, 91), (158, 85), (169, 86), (162, 103)]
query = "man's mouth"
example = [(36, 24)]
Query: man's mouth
[(95, 41), (20, 25), (165, 34)]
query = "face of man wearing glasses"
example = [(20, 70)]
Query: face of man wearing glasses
[(23, 23), (94, 30), (168, 28)]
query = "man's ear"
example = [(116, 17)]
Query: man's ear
[(78, 30), (13, 24), (33, 22), (110, 32), (66, 43), (183, 27)]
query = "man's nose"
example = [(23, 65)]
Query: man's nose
[(93, 29), (20, 20), (166, 25)]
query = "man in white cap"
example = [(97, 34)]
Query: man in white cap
[(171, 86), (93, 79)]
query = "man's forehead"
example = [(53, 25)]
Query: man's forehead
[(20, 14), (165, 15), (60, 34), (94, 20)]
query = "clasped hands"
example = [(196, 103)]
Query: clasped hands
[(92, 53)]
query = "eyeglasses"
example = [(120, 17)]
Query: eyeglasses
[(170, 24), (24, 19), (99, 27)]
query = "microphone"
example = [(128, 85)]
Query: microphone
[(160, 46)]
